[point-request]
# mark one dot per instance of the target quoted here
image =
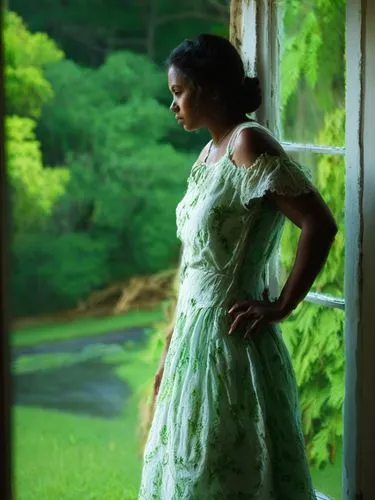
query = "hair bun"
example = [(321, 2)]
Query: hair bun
[(252, 96)]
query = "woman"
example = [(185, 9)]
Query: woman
[(226, 424)]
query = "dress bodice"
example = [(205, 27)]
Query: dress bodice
[(228, 229)]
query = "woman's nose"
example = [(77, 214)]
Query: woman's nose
[(173, 106)]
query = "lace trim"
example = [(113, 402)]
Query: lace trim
[(278, 174), (268, 173)]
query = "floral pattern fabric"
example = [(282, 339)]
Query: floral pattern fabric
[(227, 424)]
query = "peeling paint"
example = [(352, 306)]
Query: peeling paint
[(235, 24)]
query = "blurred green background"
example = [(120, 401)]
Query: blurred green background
[(97, 165)]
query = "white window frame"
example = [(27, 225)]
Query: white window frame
[(254, 28)]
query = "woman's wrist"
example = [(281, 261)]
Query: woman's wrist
[(286, 307)]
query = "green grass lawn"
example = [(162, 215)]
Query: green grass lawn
[(61, 456), (66, 457)]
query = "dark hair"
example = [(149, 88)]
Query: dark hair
[(213, 60)]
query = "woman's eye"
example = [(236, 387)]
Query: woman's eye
[(177, 93)]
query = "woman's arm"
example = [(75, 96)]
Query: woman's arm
[(318, 229), (308, 211)]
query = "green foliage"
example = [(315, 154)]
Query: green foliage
[(68, 119), (76, 265), (59, 270), (312, 97), (34, 189), (124, 181), (88, 32), (122, 95), (126, 74), (315, 335), (312, 75), (330, 178), (301, 57), (111, 213), (26, 55)]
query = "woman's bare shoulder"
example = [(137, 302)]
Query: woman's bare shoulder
[(252, 142)]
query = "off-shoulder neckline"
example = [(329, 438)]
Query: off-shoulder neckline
[(228, 150), (226, 159)]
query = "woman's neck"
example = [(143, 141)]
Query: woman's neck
[(219, 130)]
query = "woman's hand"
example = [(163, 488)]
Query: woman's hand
[(255, 313)]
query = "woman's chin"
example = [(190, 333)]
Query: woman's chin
[(182, 123), (188, 127)]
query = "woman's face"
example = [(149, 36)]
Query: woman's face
[(187, 103)]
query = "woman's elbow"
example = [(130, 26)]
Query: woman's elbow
[(330, 227), (323, 227)]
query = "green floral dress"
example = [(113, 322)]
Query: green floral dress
[(227, 424)]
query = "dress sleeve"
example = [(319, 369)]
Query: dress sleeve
[(279, 174)]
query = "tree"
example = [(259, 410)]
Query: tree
[(121, 163), (88, 33), (118, 194), (34, 189), (26, 56)]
